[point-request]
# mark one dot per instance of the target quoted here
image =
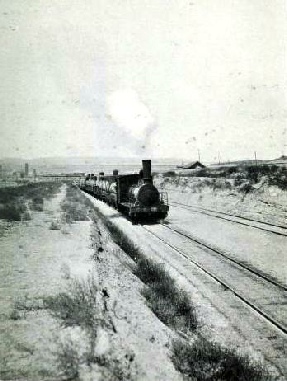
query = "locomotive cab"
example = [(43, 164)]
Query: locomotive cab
[(145, 201)]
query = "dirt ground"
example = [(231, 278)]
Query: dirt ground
[(43, 257)]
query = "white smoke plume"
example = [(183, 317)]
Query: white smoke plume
[(133, 117)]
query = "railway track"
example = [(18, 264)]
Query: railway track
[(263, 334), (265, 226), (261, 293)]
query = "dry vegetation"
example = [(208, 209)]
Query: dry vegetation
[(206, 361), (169, 303), (202, 360), (75, 206), (81, 313), (81, 305), (242, 177), (15, 202)]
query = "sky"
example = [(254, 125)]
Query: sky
[(143, 78)]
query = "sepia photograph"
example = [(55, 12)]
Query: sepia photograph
[(143, 190)]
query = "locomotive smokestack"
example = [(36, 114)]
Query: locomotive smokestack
[(115, 172), (147, 171)]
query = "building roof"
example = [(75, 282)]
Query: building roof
[(193, 164)]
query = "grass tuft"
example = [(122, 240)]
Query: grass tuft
[(169, 303), (206, 361), (75, 206), (150, 272), (120, 238), (77, 306), (68, 360), (80, 306), (55, 225), (37, 204), (15, 315), (13, 210), (14, 200)]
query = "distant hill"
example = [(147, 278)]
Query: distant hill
[(88, 164), (281, 160), (79, 164)]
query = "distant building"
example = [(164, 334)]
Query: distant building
[(26, 169), (1, 171), (193, 165), (34, 173)]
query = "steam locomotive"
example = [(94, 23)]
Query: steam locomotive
[(131, 194)]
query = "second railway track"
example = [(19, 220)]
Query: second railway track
[(261, 293), (256, 224)]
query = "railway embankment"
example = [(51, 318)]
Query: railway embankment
[(260, 201)]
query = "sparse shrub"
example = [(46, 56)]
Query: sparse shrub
[(239, 178), (121, 239), (245, 187), (252, 172), (80, 306), (26, 216), (149, 272), (75, 206), (204, 172), (28, 304), (218, 185), (276, 175), (37, 204), (120, 370), (77, 306), (169, 174), (173, 308), (279, 178), (12, 209), (206, 361), (230, 170), (169, 303), (15, 314), (41, 190), (13, 200), (68, 360), (10, 212), (55, 225)]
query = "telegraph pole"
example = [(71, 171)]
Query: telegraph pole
[(255, 158)]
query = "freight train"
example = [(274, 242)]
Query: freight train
[(134, 195)]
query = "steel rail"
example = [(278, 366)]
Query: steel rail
[(271, 320), (204, 211), (217, 251)]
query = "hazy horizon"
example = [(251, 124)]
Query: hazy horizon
[(75, 160)]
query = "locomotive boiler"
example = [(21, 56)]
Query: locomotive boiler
[(132, 194)]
